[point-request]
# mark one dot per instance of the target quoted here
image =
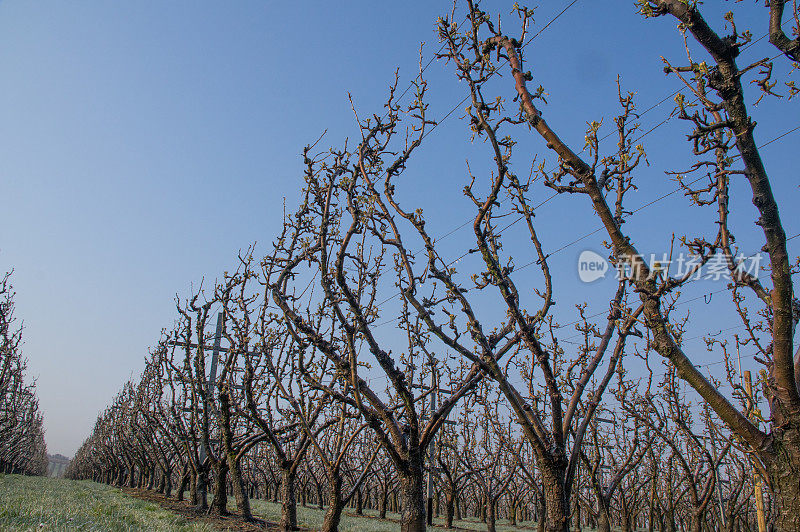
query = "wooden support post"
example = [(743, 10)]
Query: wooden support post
[(429, 490), (754, 415)]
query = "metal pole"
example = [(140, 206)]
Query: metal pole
[(577, 512), (212, 379), (762, 521)]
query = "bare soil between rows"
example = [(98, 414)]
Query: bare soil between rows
[(231, 522)]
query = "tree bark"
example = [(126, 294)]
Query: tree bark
[(384, 502), (162, 483), (219, 504), (359, 502), (288, 501), (239, 492), (412, 497), (193, 494), (320, 497), (449, 508), (555, 497), (784, 472), (603, 518), (335, 506), (183, 485), (491, 517), (541, 511), (168, 484)]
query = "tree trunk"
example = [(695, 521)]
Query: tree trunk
[(320, 497), (626, 524), (695, 523), (193, 492), (335, 506), (784, 473), (239, 492), (384, 502), (541, 511), (603, 515), (219, 504), (288, 502), (276, 493), (168, 484), (670, 524), (202, 488), (449, 504), (491, 517), (359, 502), (412, 498), (556, 498)]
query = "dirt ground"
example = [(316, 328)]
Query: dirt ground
[(230, 522)]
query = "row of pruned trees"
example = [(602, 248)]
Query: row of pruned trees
[(652, 462), (22, 445), (344, 353)]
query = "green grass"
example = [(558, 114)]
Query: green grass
[(39, 503)]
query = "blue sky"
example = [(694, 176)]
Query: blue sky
[(144, 143)]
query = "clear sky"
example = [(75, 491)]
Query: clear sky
[(142, 144)]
